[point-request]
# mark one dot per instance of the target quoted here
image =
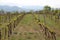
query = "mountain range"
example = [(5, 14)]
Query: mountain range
[(23, 8)]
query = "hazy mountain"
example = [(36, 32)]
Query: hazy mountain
[(10, 8), (16, 8), (34, 8)]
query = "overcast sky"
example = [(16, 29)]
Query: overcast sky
[(52, 3)]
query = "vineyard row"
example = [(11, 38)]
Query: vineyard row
[(7, 31), (48, 34)]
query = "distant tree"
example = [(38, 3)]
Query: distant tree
[(47, 9)]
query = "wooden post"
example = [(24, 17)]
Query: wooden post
[(9, 30)]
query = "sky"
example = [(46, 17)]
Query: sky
[(20, 3)]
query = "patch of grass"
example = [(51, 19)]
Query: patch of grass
[(27, 19)]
